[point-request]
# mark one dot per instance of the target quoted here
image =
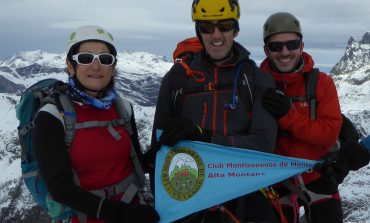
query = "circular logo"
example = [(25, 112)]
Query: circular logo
[(182, 173)]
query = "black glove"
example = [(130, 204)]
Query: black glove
[(276, 102), (358, 156), (176, 129), (334, 168), (348, 131), (119, 212)]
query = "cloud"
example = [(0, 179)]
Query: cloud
[(156, 26)]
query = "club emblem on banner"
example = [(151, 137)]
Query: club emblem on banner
[(183, 173)]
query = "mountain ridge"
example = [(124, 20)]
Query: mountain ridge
[(138, 78)]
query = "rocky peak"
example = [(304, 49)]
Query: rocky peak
[(356, 56), (351, 41), (366, 38)]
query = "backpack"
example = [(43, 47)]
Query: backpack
[(243, 86), (53, 91), (186, 48)]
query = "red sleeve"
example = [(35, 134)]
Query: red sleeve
[(324, 130)]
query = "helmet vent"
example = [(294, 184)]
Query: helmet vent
[(222, 10), (203, 10)]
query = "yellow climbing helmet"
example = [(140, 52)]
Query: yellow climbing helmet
[(215, 10)]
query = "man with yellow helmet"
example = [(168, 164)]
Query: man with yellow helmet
[(218, 101), (223, 14)]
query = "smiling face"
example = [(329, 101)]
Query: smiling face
[(284, 60), (218, 44), (94, 77)]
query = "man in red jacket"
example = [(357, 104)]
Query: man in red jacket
[(300, 135)]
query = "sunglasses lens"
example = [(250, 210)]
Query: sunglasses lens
[(293, 44), (85, 58), (106, 59), (88, 58), (275, 46), (206, 27), (278, 46), (225, 26)]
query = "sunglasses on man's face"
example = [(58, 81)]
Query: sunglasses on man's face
[(278, 46), (223, 26), (105, 59)]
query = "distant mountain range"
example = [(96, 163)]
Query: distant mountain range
[(139, 75)]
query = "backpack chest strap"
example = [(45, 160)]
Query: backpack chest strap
[(298, 98), (127, 186), (119, 188), (108, 124)]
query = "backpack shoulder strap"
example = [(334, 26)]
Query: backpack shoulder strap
[(69, 116), (124, 109), (311, 83), (247, 89)]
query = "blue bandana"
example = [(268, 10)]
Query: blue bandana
[(80, 96)]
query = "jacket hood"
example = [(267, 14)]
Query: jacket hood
[(241, 51)]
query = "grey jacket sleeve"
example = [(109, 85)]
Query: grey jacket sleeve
[(263, 131)]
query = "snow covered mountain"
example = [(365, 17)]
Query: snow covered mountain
[(138, 79), (352, 78)]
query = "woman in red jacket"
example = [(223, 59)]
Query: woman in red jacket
[(300, 135), (99, 156)]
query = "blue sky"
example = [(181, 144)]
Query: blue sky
[(156, 26)]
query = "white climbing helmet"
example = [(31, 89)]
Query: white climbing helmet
[(89, 32)]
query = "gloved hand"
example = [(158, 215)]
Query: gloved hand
[(356, 153), (119, 212), (335, 167), (276, 102), (176, 129)]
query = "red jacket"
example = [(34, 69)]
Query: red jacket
[(306, 138)]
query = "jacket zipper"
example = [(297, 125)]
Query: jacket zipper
[(215, 95)]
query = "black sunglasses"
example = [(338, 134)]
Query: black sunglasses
[(278, 46), (223, 26), (105, 59)]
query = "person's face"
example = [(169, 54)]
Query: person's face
[(217, 41), (94, 76), (284, 50)]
